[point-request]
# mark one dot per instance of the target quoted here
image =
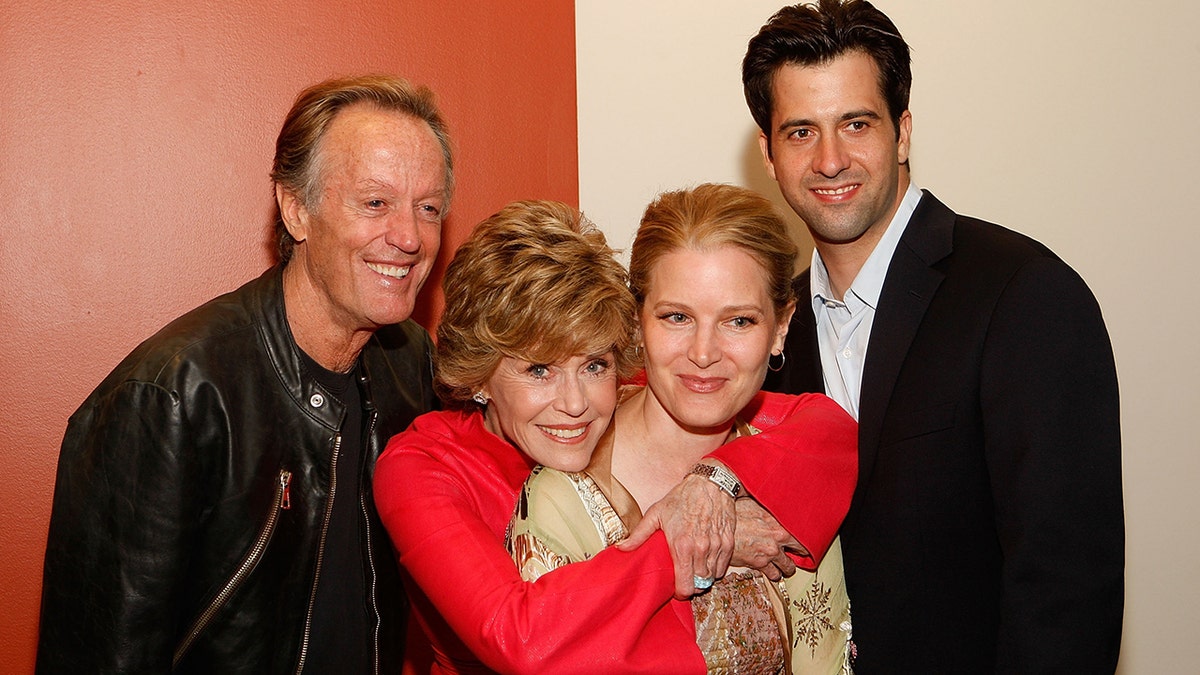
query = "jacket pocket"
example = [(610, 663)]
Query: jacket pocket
[(904, 426), (281, 502)]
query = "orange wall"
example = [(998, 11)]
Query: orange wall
[(135, 142)]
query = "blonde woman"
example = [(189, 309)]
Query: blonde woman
[(711, 272)]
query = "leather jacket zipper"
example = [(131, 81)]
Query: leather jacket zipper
[(362, 504), (312, 598), (281, 502)]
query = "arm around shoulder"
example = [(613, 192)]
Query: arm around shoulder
[(802, 467), (563, 622)]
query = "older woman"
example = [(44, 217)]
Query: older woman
[(711, 271), (538, 327)]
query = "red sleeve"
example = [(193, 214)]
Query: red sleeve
[(802, 467), (608, 614)]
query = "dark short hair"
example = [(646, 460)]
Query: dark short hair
[(297, 150), (817, 33), (538, 282)]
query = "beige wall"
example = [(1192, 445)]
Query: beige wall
[(1072, 121)]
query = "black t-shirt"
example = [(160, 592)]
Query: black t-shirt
[(339, 641)]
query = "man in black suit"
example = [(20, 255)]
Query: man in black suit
[(986, 532)]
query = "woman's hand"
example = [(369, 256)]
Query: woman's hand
[(699, 520), (761, 542)]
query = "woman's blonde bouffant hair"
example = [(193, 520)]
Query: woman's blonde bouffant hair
[(538, 282), (710, 216)]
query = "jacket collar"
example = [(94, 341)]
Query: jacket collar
[(911, 282), (284, 353)]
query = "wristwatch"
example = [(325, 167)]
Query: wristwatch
[(721, 477)]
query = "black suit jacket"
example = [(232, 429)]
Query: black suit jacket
[(986, 532)]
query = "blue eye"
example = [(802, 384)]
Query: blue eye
[(538, 370)]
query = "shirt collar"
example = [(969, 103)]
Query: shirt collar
[(869, 282)]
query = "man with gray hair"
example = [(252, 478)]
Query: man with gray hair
[(213, 510)]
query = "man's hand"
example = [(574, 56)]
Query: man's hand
[(761, 541), (699, 520)]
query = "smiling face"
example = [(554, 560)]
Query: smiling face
[(834, 150), (554, 413), (364, 250), (708, 326)]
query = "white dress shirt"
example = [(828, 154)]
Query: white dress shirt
[(844, 326)]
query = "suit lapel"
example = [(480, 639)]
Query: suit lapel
[(907, 291)]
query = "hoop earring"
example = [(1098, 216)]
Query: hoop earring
[(480, 398), (782, 361)]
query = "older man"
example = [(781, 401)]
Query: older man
[(986, 530), (213, 509)]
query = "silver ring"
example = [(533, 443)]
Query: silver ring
[(702, 583)]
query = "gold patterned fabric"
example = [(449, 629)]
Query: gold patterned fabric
[(740, 625), (819, 617), (818, 610), (561, 518)]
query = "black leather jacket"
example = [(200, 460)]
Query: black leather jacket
[(194, 489)]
